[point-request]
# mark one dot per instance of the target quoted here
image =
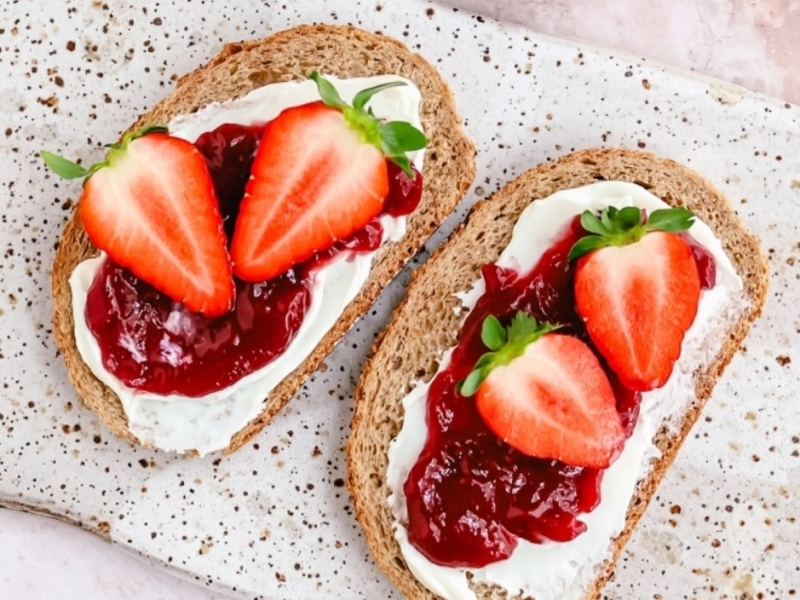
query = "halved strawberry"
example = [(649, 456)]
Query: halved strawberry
[(637, 288), (319, 176), (151, 207), (545, 394)]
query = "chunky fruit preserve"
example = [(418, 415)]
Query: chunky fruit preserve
[(155, 344), (470, 496)]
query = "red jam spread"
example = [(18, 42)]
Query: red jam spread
[(470, 495), (154, 344)]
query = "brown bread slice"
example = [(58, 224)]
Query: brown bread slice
[(427, 323), (342, 51)]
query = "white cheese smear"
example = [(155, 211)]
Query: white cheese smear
[(206, 424), (565, 570)]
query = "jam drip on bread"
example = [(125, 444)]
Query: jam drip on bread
[(471, 495)]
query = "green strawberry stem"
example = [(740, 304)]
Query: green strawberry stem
[(66, 169), (505, 343), (392, 138), (620, 227)]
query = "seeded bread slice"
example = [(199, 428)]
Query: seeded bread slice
[(427, 323), (342, 51)]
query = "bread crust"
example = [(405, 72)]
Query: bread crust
[(426, 323), (342, 51)]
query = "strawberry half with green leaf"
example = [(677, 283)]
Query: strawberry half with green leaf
[(150, 205), (319, 176), (545, 394), (637, 288)]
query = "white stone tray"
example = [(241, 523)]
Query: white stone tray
[(274, 520)]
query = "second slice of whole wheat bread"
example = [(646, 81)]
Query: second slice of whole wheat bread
[(341, 51), (427, 323)]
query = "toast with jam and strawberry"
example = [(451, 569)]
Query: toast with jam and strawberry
[(210, 246), (554, 352)]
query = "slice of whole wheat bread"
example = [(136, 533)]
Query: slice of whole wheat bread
[(342, 51), (427, 323)]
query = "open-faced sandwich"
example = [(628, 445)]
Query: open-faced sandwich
[(547, 363), (237, 231)]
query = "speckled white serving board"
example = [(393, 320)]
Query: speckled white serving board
[(274, 521)]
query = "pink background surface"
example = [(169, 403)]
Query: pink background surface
[(751, 43)]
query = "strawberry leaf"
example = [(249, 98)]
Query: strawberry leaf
[(66, 169), (506, 343), (399, 136), (327, 91), (672, 220), (471, 383), (402, 161), (493, 334), (137, 133), (364, 96), (629, 217), (592, 224), (606, 217), (585, 245), (521, 326), (620, 227), (393, 139), (484, 361)]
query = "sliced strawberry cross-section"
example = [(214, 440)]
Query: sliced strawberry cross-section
[(545, 394), (319, 176), (151, 207), (637, 288)]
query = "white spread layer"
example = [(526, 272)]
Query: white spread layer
[(563, 571), (177, 423)]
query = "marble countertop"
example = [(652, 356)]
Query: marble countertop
[(752, 43)]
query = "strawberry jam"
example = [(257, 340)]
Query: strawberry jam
[(229, 151), (470, 496), (154, 344), (706, 266)]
